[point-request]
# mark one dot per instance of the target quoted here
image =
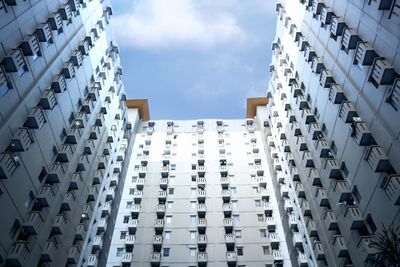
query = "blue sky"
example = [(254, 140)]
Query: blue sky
[(195, 59)]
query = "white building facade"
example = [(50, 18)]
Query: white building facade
[(63, 131), (332, 125), (198, 193)]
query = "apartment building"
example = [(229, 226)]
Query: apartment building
[(199, 193), (332, 126), (63, 131)]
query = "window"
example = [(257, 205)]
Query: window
[(122, 235), (238, 233), (266, 250), (193, 191), (192, 235), (344, 169), (134, 179), (263, 233), (193, 219), (234, 204), (192, 252), (171, 179), (173, 167), (370, 222), (166, 252), (194, 178), (257, 203), (236, 218), (167, 235), (14, 229), (233, 190), (30, 199), (119, 252), (193, 204), (260, 217), (129, 204), (239, 251), (171, 191), (256, 190), (333, 147), (170, 204), (131, 191), (168, 219), (126, 219), (356, 194)]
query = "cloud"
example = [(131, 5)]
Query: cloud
[(161, 24)]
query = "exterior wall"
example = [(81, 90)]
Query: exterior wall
[(61, 147), (179, 148), (331, 119)]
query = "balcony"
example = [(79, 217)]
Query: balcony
[(312, 228), (155, 259), (268, 209), (340, 246), (46, 195), (164, 183), (229, 241), (162, 196), (202, 241), (321, 197), (228, 224), (106, 209), (92, 261), (231, 258), (201, 209), (74, 253), (157, 242), (330, 220), (271, 224), (159, 225), (135, 209), (305, 208), (129, 241), (97, 242), (202, 258), (48, 251), (18, 254), (126, 258), (201, 195), (160, 210), (101, 225), (33, 223), (353, 218), (368, 253), (132, 226), (111, 194), (318, 250), (81, 231), (227, 208)]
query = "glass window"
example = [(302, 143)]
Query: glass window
[(126, 219), (119, 252), (166, 252), (260, 217), (266, 250), (193, 219), (263, 233), (129, 204), (238, 233), (167, 235), (234, 204), (192, 235), (173, 167), (192, 252), (236, 218), (233, 190), (239, 251), (168, 219), (171, 191), (131, 191), (123, 235), (169, 204), (257, 202), (193, 204)]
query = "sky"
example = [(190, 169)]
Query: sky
[(195, 59)]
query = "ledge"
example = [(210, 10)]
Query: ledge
[(252, 104), (142, 105)]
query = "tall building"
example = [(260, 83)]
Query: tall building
[(332, 128), (198, 193), (63, 131)]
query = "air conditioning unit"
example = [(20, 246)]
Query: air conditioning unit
[(326, 16), (59, 84), (336, 94), (347, 111), (322, 147), (315, 130), (377, 159), (8, 165), (48, 99), (349, 40), (337, 27), (73, 135), (65, 12), (94, 33), (326, 78), (308, 116), (76, 58), (90, 40), (297, 36), (302, 43), (296, 90), (317, 5), (21, 141), (317, 65), (86, 105), (365, 54), (68, 70), (15, 62), (301, 102), (360, 132), (332, 168), (80, 119), (5, 83), (382, 73), (55, 22), (44, 34), (30, 47), (309, 53)]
